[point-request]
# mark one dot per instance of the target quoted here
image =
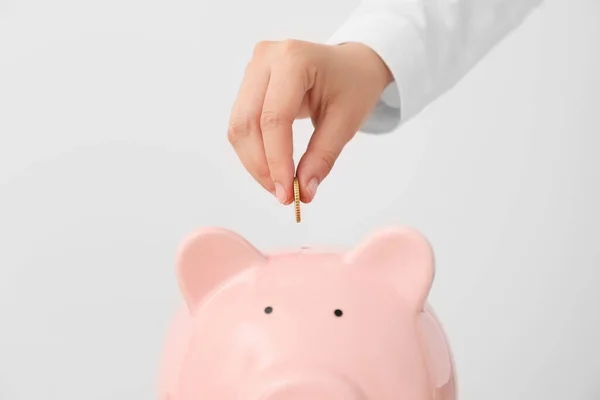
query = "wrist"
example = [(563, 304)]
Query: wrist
[(370, 61)]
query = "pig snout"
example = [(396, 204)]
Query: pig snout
[(298, 386), (307, 391)]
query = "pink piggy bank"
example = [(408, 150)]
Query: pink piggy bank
[(306, 324)]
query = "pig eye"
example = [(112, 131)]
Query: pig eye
[(268, 310), (338, 313)]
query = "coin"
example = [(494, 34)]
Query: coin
[(297, 199)]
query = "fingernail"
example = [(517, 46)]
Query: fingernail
[(280, 192), (312, 187)]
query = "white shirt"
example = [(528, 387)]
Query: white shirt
[(428, 45)]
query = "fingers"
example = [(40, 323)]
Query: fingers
[(244, 132), (333, 131), (275, 92), (271, 97), (289, 81)]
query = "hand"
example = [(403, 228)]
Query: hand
[(336, 86)]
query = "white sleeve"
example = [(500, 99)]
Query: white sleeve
[(428, 45)]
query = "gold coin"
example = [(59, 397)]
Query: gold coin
[(297, 199)]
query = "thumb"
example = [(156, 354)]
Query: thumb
[(332, 132)]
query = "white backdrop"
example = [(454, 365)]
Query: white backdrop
[(113, 147)]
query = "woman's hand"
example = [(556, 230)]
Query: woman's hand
[(336, 86)]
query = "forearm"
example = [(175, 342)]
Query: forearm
[(429, 45)]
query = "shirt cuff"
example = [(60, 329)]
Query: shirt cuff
[(401, 48)]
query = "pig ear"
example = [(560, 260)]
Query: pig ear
[(210, 257), (400, 256)]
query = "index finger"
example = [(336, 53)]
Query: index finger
[(244, 128), (281, 106)]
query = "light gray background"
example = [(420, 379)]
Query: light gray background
[(113, 147)]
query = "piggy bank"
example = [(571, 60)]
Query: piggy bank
[(306, 324)]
